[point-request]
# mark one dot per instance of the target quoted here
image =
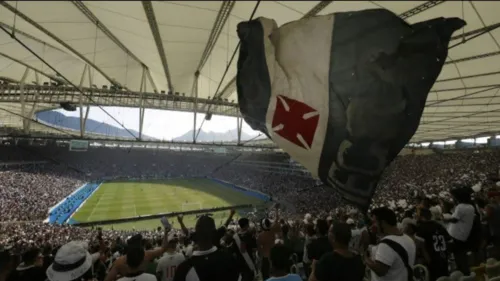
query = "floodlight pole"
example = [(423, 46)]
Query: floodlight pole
[(23, 100), (195, 90), (82, 128), (141, 103), (27, 124)]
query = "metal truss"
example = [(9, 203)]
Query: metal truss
[(476, 57), (128, 143), (419, 9), (316, 9), (153, 25), (108, 97)]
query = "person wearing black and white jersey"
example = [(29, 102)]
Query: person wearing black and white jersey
[(436, 240), (207, 262), (244, 248)]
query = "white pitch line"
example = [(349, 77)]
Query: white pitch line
[(95, 207), (84, 201)]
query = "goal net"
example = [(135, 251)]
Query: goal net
[(192, 206)]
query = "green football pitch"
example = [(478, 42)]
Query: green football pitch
[(116, 200)]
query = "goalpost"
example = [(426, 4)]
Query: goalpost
[(191, 206)]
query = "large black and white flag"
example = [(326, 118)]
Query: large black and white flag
[(341, 93)]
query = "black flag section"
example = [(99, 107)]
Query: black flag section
[(381, 70)]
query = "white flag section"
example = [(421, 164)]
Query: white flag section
[(245, 254), (341, 93), (297, 115)]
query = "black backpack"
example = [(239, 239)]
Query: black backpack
[(476, 233)]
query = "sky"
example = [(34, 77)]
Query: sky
[(161, 124), (166, 124)]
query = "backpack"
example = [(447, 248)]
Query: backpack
[(476, 233), (402, 253)]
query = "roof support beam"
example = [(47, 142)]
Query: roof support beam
[(195, 90), (88, 13), (33, 107), (91, 82), (469, 76), (26, 65), (239, 125), (316, 9), (468, 104), (23, 100), (153, 25), (220, 21), (150, 79), (493, 86), (420, 8), (476, 31), (17, 31), (57, 39), (481, 56), (141, 102), (82, 79)]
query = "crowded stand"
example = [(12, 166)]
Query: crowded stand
[(433, 216), (28, 191)]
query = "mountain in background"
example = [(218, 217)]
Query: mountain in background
[(92, 126), (231, 135)]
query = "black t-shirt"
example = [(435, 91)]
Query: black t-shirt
[(318, 248), (436, 238), (209, 265), (333, 266), (34, 273)]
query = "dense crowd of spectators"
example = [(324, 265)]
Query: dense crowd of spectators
[(33, 180), (28, 191), (34, 188)]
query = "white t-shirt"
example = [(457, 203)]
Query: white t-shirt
[(168, 264), (142, 277), (388, 256), (460, 230), (188, 250)]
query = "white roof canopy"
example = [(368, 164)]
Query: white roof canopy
[(172, 39)]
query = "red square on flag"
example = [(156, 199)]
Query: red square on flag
[(295, 121)]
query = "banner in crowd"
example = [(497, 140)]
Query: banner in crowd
[(341, 93)]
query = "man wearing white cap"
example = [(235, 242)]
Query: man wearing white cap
[(72, 262)]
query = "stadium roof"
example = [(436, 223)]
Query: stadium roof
[(167, 42)]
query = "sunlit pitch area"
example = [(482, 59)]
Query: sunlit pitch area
[(116, 200)]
